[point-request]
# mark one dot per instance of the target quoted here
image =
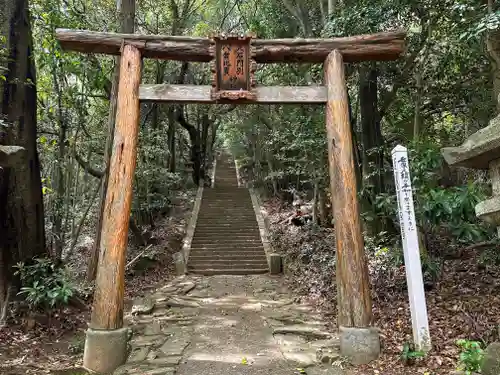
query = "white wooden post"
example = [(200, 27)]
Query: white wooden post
[(409, 236)]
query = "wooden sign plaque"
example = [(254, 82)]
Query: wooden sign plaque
[(233, 67)]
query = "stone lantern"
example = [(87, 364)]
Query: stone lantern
[(482, 151)]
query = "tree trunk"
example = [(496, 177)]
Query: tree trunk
[(194, 137), (60, 188), (417, 118), (205, 125), (171, 141), (22, 230), (493, 47), (127, 22), (373, 158)]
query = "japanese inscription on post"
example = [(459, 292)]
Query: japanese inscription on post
[(233, 67), (409, 237)]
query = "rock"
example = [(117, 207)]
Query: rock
[(286, 318), (330, 344), (158, 371), (138, 354), (199, 294), (131, 369), (186, 287), (174, 347), (153, 329), (311, 332), (168, 289), (143, 306), (359, 345), (491, 361), (327, 356), (303, 359), (141, 341), (178, 302), (169, 361), (289, 340)]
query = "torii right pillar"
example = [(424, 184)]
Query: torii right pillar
[(359, 341)]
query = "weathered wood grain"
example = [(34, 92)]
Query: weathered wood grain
[(380, 46), (265, 94), (353, 289), (107, 312)]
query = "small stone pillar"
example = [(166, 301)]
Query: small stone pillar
[(482, 151)]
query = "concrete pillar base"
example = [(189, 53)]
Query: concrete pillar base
[(180, 264), (275, 264), (105, 350), (359, 345)]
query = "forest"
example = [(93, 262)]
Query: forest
[(57, 120)]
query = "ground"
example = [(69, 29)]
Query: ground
[(463, 303), (33, 346), (234, 325)]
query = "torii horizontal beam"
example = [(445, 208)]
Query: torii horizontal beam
[(371, 47), (264, 94)]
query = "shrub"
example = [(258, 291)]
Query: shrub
[(44, 285), (471, 356)]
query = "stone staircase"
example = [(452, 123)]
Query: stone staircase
[(227, 238)]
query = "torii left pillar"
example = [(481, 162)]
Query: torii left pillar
[(106, 341)]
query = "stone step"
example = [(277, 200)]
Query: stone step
[(227, 248), (223, 263), (225, 221), (236, 257), (234, 230), (221, 211), (238, 230), (224, 206), (227, 224), (223, 231), (217, 236), (237, 245), (229, 271), (225, 216), (228, 240), (254, 253)]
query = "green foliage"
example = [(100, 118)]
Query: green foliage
[(3, 58), (439, 210), (44, 285), (409, 354), (471, 356)]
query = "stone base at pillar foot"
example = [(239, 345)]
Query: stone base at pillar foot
[(105, 350), (359, 345)]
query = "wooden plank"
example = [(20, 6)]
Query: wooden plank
[(265, 94), (10, 156), (107, 311), (371, 47), (353, 286)]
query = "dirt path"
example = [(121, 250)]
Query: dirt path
[(231, 325)]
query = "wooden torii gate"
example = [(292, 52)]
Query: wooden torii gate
[(234, 61)]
